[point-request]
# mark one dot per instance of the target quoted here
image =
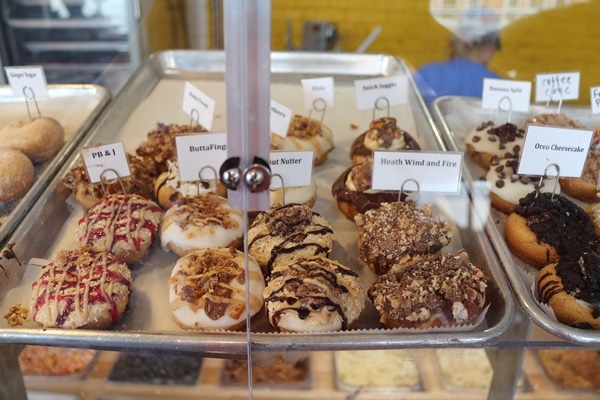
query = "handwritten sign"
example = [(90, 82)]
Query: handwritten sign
[(556, 87), (106, 163), (595, 99), (371, 92)]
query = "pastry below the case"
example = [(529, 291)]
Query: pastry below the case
[(586, 187), (81, 288), (202, 222), (428, 292), (507, 187), (313, 294), (572, 368), (87, 194), (281, 233), (122, 224), (306, 134), (395, 232), (207, 289), (383, 134), (488, 140), (571, 287), (16, 174), (353, 194), (38, 138), (545, 227)]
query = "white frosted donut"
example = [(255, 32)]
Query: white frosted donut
[(306, 134), (16, 174), (207, 289), (488, 140), (306, 195), (39, 139), (201, 222)]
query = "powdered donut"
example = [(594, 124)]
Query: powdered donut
[(313, 294), (207, 289), (306, 134), (81, 288), (39, 138), (16, 174), (488, 140)]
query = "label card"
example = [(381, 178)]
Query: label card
[(595, 99), (109, 162), (434, 171), (28, 82), (198, 105), (371, 92), (318, 93), (295, 168), (280, 118), (546, 145), (195, 152), (556, 87), (506, 95)]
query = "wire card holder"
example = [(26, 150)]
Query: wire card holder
[(386, 106), (30, 96), (545, 176), (319, 105)]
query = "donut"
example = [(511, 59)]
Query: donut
[(488, 140), (585, 188), (545, 227), (383, 134), (207, 289), (122, 224), (202, 222), (593, 210), (283, 232), (81, 288), (571, 287), (306, 134), (394, 231), (16, 174), (506, 188), (39, 138), (448, 290), (313, 294), (555, 119), (168, 189), (87, 194), (353, 194), (306, 195)]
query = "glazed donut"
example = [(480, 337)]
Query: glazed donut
[(16, 174), (202, 222), (306, 134), (313, 294), (207, 289), (447, 290), (39, 138), (545, 227), (122, 224), (281, 233), (81, 288), (488, 140), (353, 194), (87, 194), (571, 287), (383, 134), (394, 231)]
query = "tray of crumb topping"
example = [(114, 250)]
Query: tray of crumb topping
[(187, 290), (543, 230)]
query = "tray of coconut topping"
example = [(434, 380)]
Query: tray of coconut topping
[(543, 228), (150, 260)]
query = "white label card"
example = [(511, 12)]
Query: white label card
[(556, 87), (28, 82), (280, 118), (506, 95), (434, 171), (318, 93), (595, 99), (198, 105), (295, 168), (373, 93), (106, 163), (196, 153), (546, 145)]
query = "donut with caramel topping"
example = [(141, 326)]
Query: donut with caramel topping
[(306, 134)]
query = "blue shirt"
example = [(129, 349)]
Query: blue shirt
[(455, 77)]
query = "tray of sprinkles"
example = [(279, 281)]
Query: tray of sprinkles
[(176, 279), (544, 230)]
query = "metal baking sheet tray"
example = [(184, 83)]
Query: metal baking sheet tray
[(76, 107), (457, 116), (154, 94)]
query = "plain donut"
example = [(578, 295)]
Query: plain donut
[(16, 174), (39, 139)]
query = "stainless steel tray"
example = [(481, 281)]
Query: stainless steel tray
[(154, 94), (75, 107), (457, 116)]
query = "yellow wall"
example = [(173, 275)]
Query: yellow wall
[(564, 39)]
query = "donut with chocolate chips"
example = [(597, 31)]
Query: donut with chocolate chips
[(488, 140)]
